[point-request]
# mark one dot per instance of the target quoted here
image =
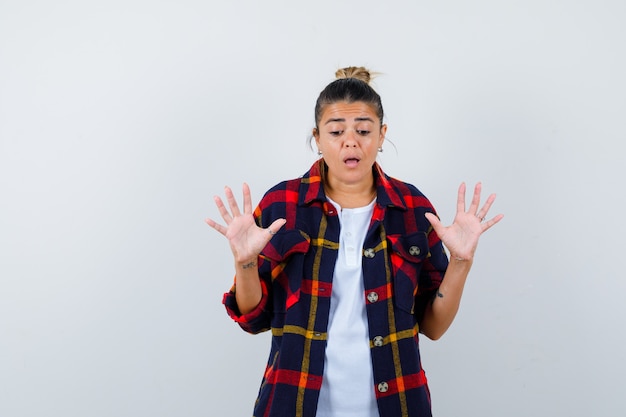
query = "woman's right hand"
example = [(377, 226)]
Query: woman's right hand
[(246, 239)]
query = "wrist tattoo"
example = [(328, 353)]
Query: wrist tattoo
[(251, 264)]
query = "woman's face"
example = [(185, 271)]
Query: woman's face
[(349, 135)]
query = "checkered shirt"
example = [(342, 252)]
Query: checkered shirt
[(403, 265)]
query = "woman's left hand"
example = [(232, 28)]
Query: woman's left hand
[(461, 237)]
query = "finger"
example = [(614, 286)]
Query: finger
[(483, 211), (435, 223), (247, 199), (276, 226), (460, 199), (222, 209), (221, 229), (232, 202), (476, 200), (491, 222)]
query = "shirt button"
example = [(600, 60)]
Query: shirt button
[(414, 250), (383, 387), (372, 297), (378, 341), (368, 253)]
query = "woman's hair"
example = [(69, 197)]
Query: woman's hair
[(351, 85)]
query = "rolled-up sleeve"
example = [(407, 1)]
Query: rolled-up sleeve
[(256, 321)]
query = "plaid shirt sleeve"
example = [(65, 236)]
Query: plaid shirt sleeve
[(254, 322), (277, 289)]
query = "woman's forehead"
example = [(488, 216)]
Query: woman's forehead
[(344, 111)]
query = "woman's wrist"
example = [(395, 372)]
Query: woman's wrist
[(462, 262), (248, 265), (245, 262)]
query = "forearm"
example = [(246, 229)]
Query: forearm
[(248, 291), (440, 313)]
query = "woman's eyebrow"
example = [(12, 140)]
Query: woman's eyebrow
[(356, 119)]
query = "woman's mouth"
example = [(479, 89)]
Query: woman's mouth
[(351, 162)]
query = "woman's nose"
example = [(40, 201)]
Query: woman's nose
[(351, 140)]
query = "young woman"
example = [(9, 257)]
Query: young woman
[(347, 266)]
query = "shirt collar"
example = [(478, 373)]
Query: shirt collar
[(312, 187)]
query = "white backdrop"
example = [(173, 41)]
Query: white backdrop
[(120, 120)]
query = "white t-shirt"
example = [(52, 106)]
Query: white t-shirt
[(348, 383)]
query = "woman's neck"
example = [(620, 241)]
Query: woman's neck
[(351, 195)]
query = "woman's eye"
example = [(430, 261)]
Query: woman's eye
[(363, 132), (336, 132)]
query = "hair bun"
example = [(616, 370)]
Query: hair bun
[(360, 73)]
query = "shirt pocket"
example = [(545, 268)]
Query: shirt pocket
[(286, 254), (407, 254)]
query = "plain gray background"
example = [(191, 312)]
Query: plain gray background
[(120, 120)]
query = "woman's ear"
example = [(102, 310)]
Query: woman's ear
[(316, 136)]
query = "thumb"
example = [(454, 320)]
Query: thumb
[(276, 225), (434, 221)]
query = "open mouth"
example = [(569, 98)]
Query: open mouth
[(351, 162)]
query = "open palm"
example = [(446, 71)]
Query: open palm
[(461, 237), (245, 238)]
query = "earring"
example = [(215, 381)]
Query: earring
[(319, 153), (380, 149)]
